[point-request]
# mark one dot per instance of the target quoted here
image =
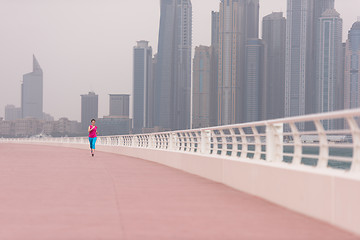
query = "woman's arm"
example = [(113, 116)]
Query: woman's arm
[(89, 129)]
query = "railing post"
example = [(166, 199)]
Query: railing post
[(134, 142), (257, 143), (244, 144), (297, 155), (205, 141), (234, 143), (274, 142), (323, 145)]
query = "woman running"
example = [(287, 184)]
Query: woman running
[(92, 136)]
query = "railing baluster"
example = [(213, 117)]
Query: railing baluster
[(355, 166), (323, 145), (297, 144)]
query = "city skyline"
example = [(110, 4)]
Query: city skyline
[(64, 69)]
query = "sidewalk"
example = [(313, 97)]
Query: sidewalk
[(50, 193)]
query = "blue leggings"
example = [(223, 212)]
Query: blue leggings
[(92, 142)]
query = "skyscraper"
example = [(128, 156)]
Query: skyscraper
[(238, 22), (274, 36), (119, 105), (214, 75), (252, 19), (201, 87), (340, 104), (151, 96), (142, 85), (319, 7), (301, 54), (231, 60), (298, 51), (255, 82), (173, 82), (32, 92), (89, 108), (352, 68), (329, 62)]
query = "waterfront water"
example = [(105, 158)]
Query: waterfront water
[(333, 152), (340, 152)]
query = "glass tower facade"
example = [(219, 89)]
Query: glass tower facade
[(301, 53), (202, 87), (274, 36), (352, 68), (32, 93), (255, 84), (142, 85), (173, 74), (238, 22), (329, 61), (89, 108)]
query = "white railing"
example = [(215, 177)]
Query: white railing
[(305, 140)]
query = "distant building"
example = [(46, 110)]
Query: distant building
[(27, 127), (32, 93), (108, 126), (274, 36), (340, 101), (66, 127), (173, 81), (301, 54), (89, 108), (7, 128), (238, 22), (49, 128), (47, 117), (142, 85), (31, 127), (12, 113), (352, 68), (201, 87), (214, 74), (255, 81), (119, 105), (319, 7), (329, 66), (152, 92)]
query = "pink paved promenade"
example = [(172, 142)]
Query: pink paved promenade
[(49, 193)]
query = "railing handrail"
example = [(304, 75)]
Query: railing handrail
[(264, 140)]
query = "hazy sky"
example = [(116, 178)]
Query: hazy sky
[(85, 45)]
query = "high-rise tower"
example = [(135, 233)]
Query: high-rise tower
[(352, 68), (202, 87), (142, 85), (32, 92), (301, 54), (89, 108), (214, 74), (319, 7), (173, 83), (329, 67), (255, 81), (119, 105), (274, 36), (238, 23)]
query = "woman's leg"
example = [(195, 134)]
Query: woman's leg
[(94, 142), (91, 140)]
